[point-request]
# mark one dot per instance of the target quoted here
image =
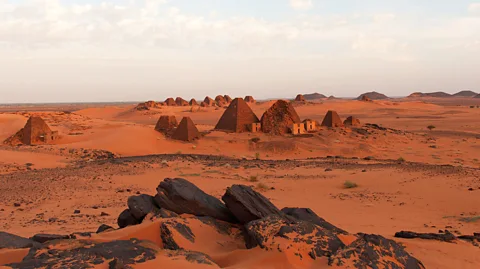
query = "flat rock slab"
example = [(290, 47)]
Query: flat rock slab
[(248, 205), (445, 237), (42, 238), (306, 214), (182, 197), (12, 241)]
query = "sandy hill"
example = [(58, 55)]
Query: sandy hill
[(314, 96), (465, 94), (431, 94), (373, 96)]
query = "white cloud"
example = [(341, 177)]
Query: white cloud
[(301, 4), (474, 8), (384, 17)]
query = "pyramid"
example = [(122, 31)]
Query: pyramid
[(193, 102), (148, 105), (228, 98), (220, 100), (166, 124), (237, 117), (186, 131), (209, 101), (249, 99), (279, 118), (332, 120), (366, 99), (170, 102), (352, 121), (181, 102), (35, 131), (300, 98), (203, 104)]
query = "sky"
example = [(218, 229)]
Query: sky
[(138, 50)]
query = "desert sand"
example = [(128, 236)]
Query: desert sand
[(388, 175)]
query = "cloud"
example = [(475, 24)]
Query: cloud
[(474, 8), (384, 17), (301, 4)]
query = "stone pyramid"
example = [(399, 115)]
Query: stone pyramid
[(166, 124), (237, 117), (181, 102), (279, 118), (170, 102), (249, 99), (300, 98), (193, 102), (352, 121), (35, 131), (209, 101), (220, 100), (228, 98), (332, 120), (186, 131)]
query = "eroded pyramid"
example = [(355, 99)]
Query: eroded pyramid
[(332, 119), (186, 131), (279, 118)]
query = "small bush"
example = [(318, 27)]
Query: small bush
[(253, 179), (349, 185), (257, 156), (401, 159), (255, 139), (262, 187), (470, 219), (431, 127)]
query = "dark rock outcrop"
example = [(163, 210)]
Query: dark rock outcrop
[(307, 239), (42, 238), (181, 196), (445, 237), (248, 205), (104, 228), (306, 214), (374, 251), (12, 241), (140, 206), (126, 219)]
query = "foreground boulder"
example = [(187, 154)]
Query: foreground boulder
[(12, 241), (126, 219), (374, 251), (140, 206), (306, 214), (181, 196), (287, 234), (248, 205)]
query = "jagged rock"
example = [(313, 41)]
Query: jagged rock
[(140, 206), (248, 205), (306, 214), (85, 254), (446, 237), (374, 251), (160, 213), (286, 234), (42, 238), (12, 241), (181, 196), (126, 219), (104, 228), (166, 234)]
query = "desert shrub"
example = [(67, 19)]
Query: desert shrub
[(253, 179), (431, 127), (349, 185), (257, 156), (255, 139), (401, 159), (262, 187)]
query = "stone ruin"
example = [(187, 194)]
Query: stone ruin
[(298, 128), (35, 132), (186, 131), (209, 101), (249, 99), (352, 121), (310, 125), (254, 127), (181, 102), (193, 102), (228, 99), (332, 120), (220, 100), (300, 98), (279, 118), (237, 117), (166, 124), (148, 105), (170, 102)]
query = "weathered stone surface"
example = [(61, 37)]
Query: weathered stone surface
[(181, 102), (42, 238), (186, 131), (332, 119), (300, 98), (166, 233), (306, 214), (140, 206), (160, 213), (104, 228), (279, 118), (126, 219), (248, 205), (374, 251), (181, 196), (237, 117), (286, 234), (14, 241), (352, 121), (249, 99), (445, 237), (85, 254)]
